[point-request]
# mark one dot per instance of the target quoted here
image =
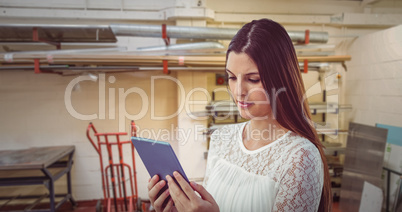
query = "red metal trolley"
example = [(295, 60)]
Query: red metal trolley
[(119, 180)]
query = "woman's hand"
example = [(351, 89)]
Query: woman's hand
[(187, 199), (154, 186)]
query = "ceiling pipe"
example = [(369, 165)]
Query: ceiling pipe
[(201, 32), (184, 46)]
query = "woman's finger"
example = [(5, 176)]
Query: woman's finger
[(158, 204), (152, 182), (169, 206), (205, 195), (180, 199), (188, 190), (153, 193)]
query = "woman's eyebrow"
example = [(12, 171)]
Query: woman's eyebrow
[(251, 73), (227, 70)]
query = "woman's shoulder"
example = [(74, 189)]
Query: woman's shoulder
[(301, 155), (297, 145)]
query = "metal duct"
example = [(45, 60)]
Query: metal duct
[(315, 37), (200, 32), (185, 46)]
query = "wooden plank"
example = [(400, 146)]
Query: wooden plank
[(32, 158), (332, 58)]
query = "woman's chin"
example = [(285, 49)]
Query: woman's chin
[(247, 114)]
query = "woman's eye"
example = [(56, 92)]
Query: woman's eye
[(254, 80), (231, 78)]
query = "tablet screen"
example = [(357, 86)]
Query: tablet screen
[(158, 157)]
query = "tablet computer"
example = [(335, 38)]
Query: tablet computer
[(158, 157)]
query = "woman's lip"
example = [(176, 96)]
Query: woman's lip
[(244, 104)]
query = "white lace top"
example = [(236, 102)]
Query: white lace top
[(285, 175)]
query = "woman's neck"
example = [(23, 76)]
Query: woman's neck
[(258, 133)]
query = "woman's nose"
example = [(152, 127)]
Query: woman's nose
[(241, 89)]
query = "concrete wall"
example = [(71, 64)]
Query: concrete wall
[(374, 78), (374, 88)]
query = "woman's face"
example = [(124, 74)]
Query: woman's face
[(246, 87)]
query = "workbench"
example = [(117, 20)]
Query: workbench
[(39, 166)]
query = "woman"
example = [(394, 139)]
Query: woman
[(275, 161)]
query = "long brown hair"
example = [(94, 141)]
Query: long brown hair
[(270, 47)]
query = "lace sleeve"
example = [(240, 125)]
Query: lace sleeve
[(301, 185)]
